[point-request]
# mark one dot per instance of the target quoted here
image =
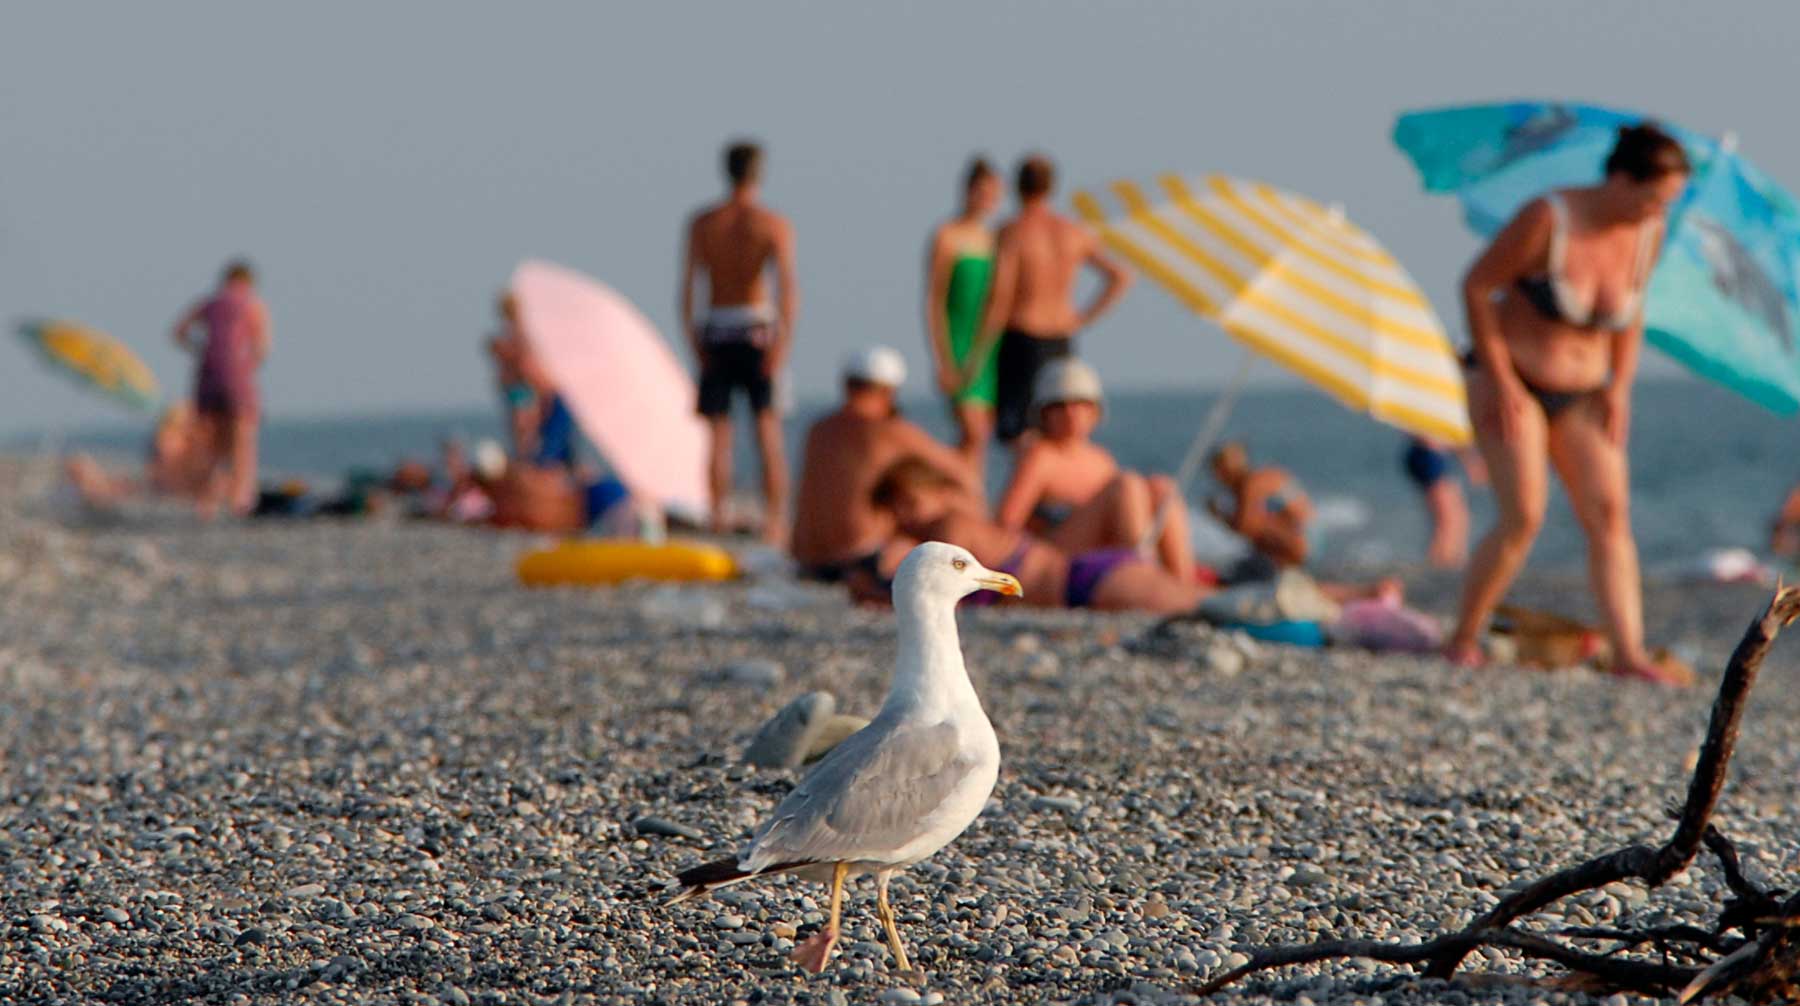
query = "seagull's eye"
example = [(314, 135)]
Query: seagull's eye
[(959, 564)]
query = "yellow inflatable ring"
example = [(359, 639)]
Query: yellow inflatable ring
[(601, 562)]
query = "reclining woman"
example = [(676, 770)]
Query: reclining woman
[(1267, 508), (1072, 492), (929, 504)]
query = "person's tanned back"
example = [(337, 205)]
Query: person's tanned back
[(1032, 311), (736, 241), (846, 452), (734, 244), (1046, 252), (844, 455)]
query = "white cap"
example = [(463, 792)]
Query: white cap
[(490, 458), (1066, 380), (877, 365)]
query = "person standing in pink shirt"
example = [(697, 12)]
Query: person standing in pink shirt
[(236, 341)]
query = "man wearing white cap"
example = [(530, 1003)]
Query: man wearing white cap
[(838, 535)]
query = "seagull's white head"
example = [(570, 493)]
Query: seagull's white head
[(939, 569)]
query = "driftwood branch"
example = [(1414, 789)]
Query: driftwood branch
[(1661, 936), (1728, 865), (1624, 972), (1750, 906), (1653, 865), (1765, 970)]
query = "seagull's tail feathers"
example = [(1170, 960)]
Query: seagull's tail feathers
[(699, 881)]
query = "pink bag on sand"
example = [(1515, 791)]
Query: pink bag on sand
[(1387, 628)]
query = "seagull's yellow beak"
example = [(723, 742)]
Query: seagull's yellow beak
[(1001, 583)]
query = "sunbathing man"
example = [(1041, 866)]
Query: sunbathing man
[(1269, 510), (929, 504), (1071, 492), (838, 534), (1031, 310)]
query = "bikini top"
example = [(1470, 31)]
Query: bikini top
[(1549, 292)]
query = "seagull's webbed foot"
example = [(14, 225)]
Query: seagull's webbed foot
[(815, 950), (812, 952)]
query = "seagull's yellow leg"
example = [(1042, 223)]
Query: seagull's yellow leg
[(813, 952), (886, 910)]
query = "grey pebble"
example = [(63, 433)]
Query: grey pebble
[(650, 825), (1224, 659), (755, 673)]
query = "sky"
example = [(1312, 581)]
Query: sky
[(387, 165)]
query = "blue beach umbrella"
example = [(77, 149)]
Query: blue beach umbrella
[(1725, 297)]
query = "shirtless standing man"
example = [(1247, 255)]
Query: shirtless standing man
[(742, 340), (1032, 311), (839, 535)]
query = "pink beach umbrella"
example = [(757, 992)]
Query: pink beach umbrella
[(627, 390)]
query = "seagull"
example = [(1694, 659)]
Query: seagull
[(899, 789)]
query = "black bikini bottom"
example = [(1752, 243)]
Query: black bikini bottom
[(1554, 403)]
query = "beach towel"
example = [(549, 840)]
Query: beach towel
[(1386, 627)]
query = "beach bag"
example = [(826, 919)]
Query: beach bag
[(1534, 638)]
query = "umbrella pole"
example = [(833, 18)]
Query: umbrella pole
[(1202, 443)]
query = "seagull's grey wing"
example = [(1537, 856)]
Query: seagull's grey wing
[(867, 799)]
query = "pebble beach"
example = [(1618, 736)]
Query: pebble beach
[(334, 762)]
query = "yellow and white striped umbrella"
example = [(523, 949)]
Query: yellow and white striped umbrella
[(1297, 283)]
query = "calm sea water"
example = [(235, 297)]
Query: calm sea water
[(1708, 468)]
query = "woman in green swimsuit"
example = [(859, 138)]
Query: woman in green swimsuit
[(956, 292)]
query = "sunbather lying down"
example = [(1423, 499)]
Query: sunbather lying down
[(177, 465), (928, 504), (1267, 508)]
